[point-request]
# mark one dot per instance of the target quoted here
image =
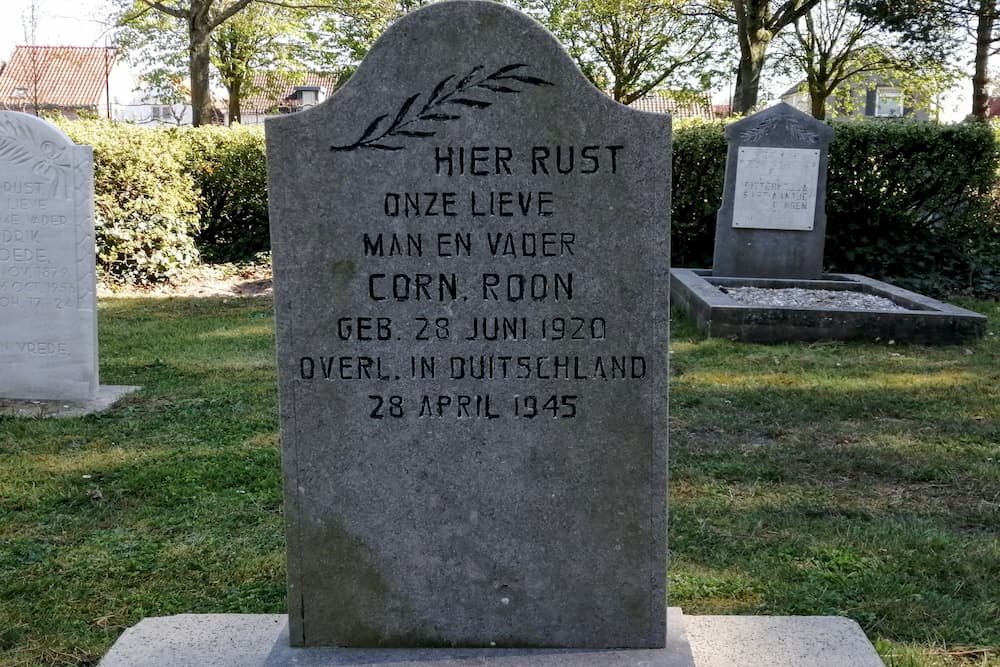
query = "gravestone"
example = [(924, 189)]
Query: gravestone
[(470, 249), (772, 223), (48, 304)]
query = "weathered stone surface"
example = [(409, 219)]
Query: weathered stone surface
[(470, 252), (772, 223), (48, 312)]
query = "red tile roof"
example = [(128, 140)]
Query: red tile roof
[(272, 96), (701, 108), (56, 76)]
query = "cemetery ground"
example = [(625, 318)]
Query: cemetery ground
[(853, 479)]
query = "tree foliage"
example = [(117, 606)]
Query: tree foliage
[(938, 26), (839, 50), (757, 23), (631, 47), (269, 39), (176, 36)]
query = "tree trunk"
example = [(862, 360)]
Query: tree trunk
[(748, 76), (201, 96), (817, 104), (986, 15), (754, 36), (235, 113)]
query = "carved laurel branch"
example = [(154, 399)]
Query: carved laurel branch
[(440, 106), (20, 146), (796, 129)]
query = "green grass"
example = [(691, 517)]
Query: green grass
[(850, 479), (861, 480)]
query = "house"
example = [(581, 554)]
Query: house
[(686, 106), (80, 81), (872, 97), (71, 80), (276, 95)]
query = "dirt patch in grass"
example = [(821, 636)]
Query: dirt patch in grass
[(204, 281)]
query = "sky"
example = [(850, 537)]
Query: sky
[(59, 23)]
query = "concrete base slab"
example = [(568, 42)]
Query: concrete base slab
[(106, 396), (779, 641), (261, 640)]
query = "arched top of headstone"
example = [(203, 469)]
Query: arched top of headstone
[(27, 132), (780, 125), (448, 64), (30, 143)]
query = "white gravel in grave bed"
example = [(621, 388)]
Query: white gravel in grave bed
[(810, 298)]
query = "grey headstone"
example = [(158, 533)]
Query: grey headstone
[(444, 488), (48, 303), (772, 223)]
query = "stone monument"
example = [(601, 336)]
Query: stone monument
[(48, 304), (470, 249), (772, 223)]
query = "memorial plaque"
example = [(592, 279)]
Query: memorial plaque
[(772, 222), (48, 308), (776, 188), (470, 248)]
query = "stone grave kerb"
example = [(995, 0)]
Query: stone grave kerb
[(772, 222)]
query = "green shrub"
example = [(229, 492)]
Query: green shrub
[(145, 201), (910, 202), (231, 175), (699, 167)]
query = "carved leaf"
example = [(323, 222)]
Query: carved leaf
[(532, 80), (403, 111), (437, 90), (496, 89), (465, 101), (439, 116), (14, 152), (468, 77), (505, 69), (371, 128), (413, 133)]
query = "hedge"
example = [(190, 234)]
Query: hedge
[(909, 202), (168, 197), (146, 205)]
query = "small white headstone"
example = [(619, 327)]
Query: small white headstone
[(48, 304)]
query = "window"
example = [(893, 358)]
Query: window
[(888, 101)]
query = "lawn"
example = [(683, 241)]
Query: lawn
[(861, 480)]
